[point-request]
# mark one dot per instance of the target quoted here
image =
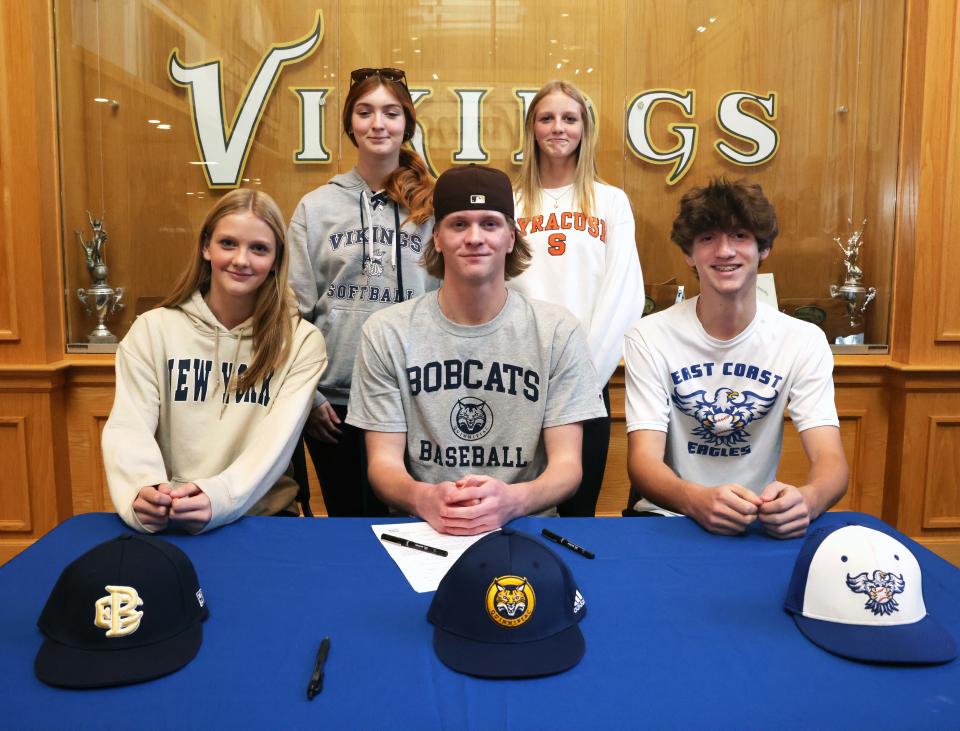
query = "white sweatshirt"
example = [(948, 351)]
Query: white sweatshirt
[(174, 419), (587, 264)]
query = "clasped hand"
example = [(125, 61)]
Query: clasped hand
[(728, 509), (473, 504), (187, 505)]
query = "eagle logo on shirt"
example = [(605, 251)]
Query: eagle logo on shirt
[(880, 590), (723, 419)]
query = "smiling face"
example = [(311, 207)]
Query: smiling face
[(558, 126), (726, 262), (378, 123), (474, 245), (241, 251)]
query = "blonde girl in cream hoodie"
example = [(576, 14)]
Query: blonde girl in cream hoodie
[(214, 385)]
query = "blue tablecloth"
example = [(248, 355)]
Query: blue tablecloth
[(683, 630)]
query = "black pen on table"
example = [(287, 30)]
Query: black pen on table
[(412, 544), (316, 680), (567, 544)]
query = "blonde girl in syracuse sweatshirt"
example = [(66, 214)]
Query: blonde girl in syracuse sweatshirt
[(581, 234), (355, 248), (214, 385)]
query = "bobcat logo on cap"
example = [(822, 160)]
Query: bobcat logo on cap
[(510, 601), (117, 612), (880, 589), (471, 419)]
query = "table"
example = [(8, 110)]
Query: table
[(683, 630)]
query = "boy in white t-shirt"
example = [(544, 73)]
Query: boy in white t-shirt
[(708, 381)]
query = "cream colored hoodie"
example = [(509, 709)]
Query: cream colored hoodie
[(173, 419)]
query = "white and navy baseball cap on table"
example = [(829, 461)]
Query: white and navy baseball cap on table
[(858, 592)]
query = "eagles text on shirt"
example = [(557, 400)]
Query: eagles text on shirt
[(737, 395)]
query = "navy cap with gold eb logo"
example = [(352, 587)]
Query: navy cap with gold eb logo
[(508, 608), (128, 610)]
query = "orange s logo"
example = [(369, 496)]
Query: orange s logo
[(557, 244)]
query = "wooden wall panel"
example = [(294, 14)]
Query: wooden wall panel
[(34, 476), (922, 482), (10, 22), (89, 401), (15, 496), (934, 316), (28, 257), (941, 488), (948, 305)]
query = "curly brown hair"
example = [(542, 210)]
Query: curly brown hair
[(722, 205)]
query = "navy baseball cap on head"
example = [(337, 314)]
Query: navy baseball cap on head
[(857, 592), (472, 188), (508, 608), (128, 610)]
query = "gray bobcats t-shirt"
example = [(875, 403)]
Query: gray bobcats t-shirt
[(473, 398)]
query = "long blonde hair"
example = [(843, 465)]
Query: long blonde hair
[(586, 174), (411, 184), (275, 307)]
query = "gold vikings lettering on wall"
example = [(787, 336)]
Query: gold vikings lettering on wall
[(470, 120), (225, 149), (313, 148), (735, 122), (524, 97), (639, 113)]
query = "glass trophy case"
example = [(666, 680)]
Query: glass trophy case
[(164, 105)]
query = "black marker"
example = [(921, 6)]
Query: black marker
[(316, 680), (413, 544), (567, 544)]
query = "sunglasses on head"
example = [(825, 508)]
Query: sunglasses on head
[(358, 75)]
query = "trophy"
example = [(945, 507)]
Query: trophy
[(852, 291), (100, 299)]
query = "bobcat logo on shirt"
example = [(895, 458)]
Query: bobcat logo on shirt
[(880, 590), (724, 418), (471, 419), (510, 601)]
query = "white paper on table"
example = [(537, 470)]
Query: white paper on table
[(423, 570)]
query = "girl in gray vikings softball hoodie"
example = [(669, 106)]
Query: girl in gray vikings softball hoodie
[(345, 264)]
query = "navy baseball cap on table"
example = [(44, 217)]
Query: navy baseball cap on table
[(508, 608), (128, 610), (857, 592)]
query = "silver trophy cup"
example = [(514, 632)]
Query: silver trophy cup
[(852, 290), (100, 299)]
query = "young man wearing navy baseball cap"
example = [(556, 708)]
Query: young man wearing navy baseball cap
[(472, 396), (708, 380)]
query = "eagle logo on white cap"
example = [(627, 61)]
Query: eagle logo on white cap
[(880, 590)]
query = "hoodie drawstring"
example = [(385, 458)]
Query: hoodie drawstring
[(396, 258), (397, 254), (365, 237), (216, 362), (233, 366)]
